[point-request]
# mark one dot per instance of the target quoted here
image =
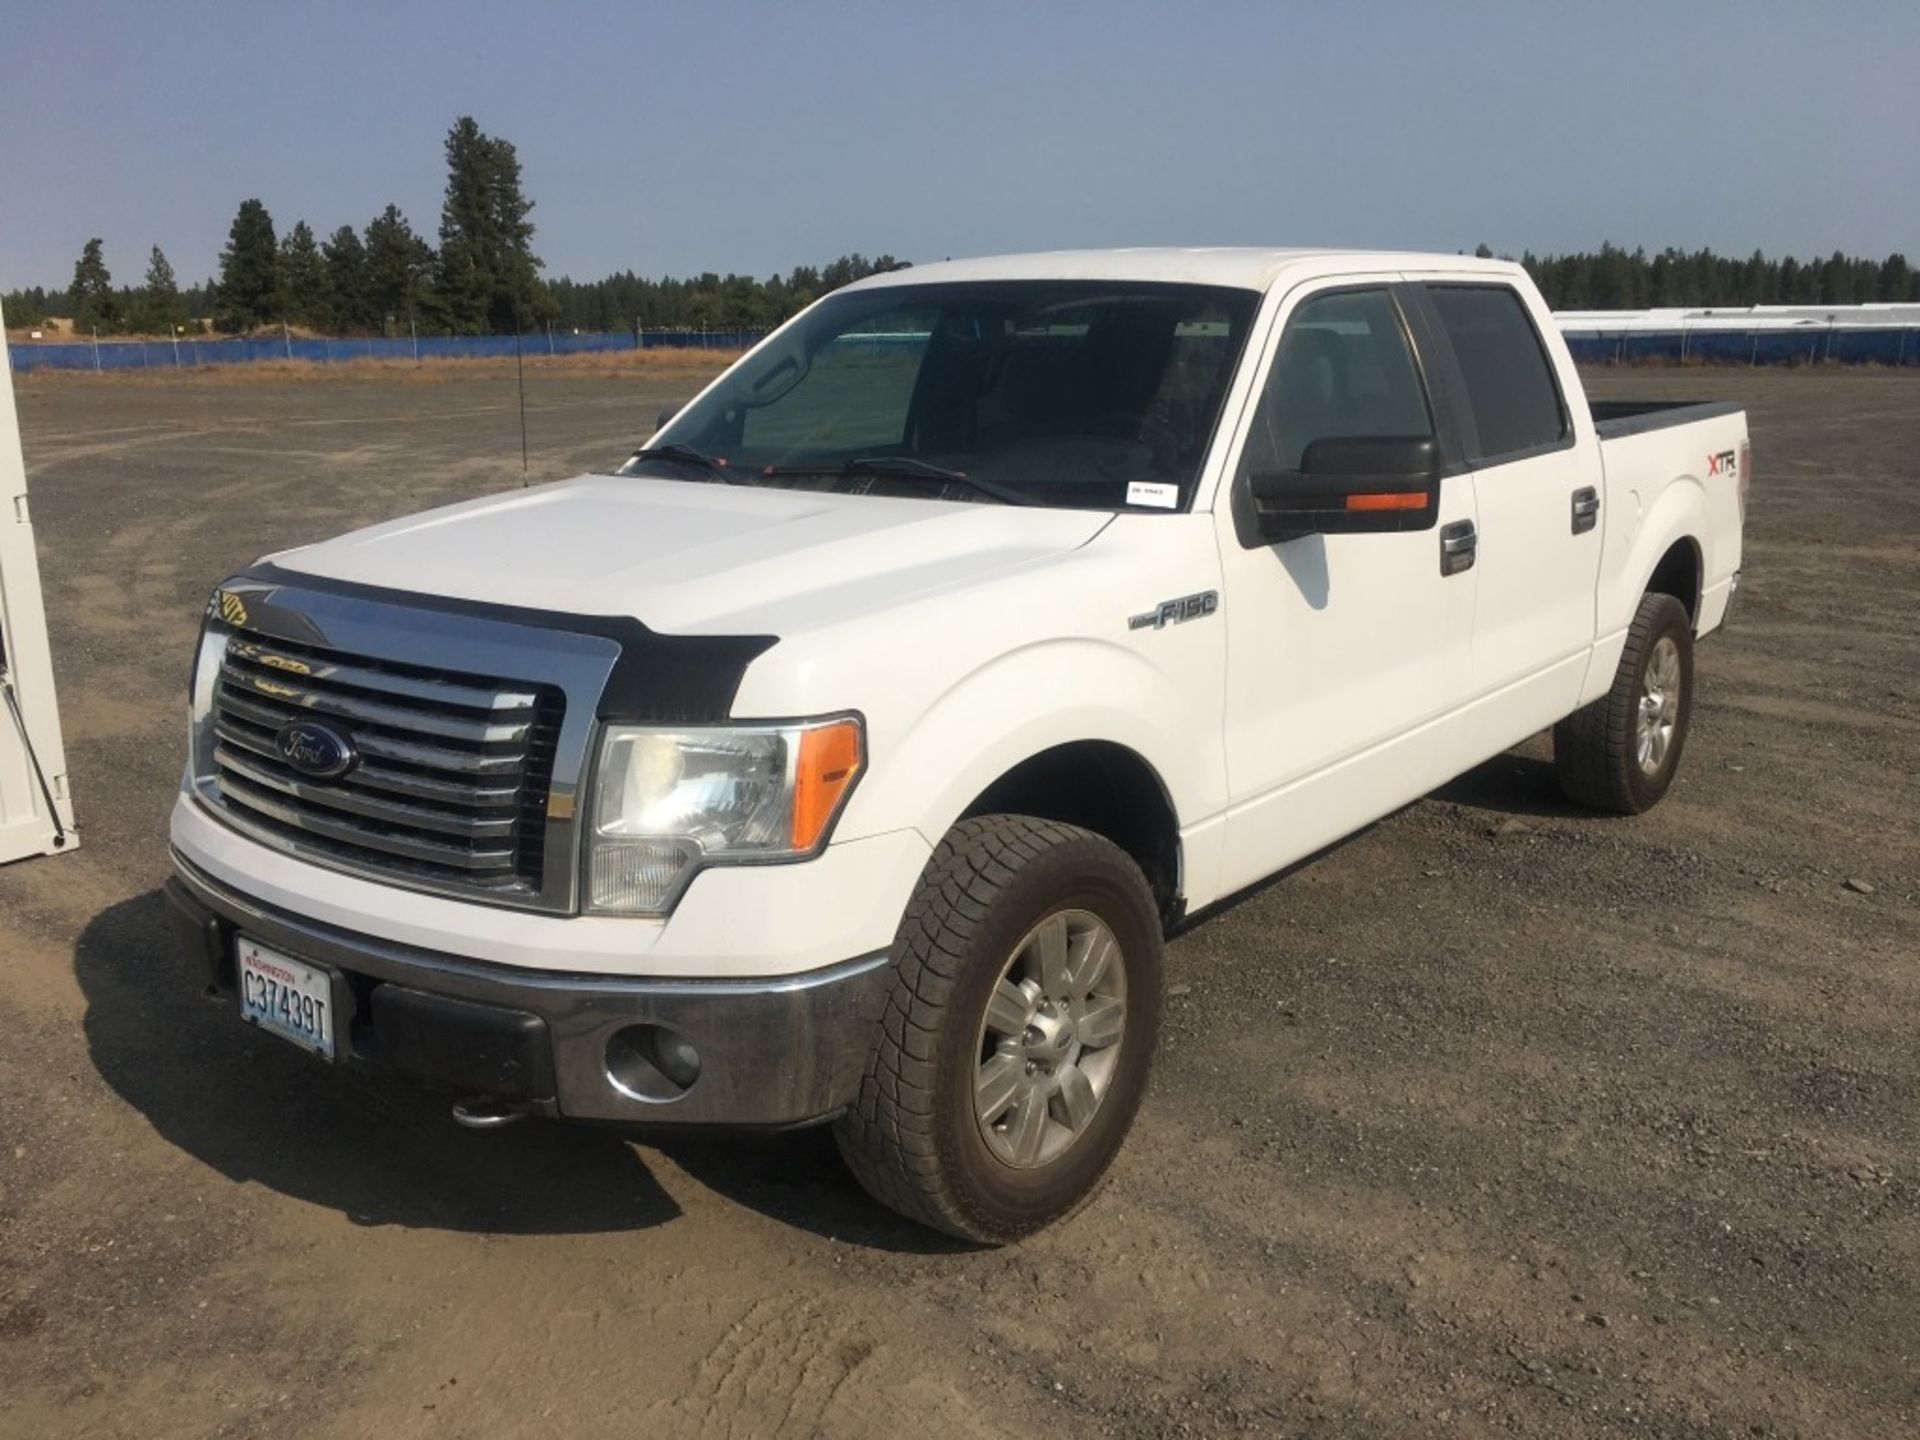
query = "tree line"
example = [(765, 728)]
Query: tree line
[(385, 278), (627, 301), (374, 286), (1612, 278), (484, 277)]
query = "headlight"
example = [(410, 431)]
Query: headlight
[(200, 687), (668, 801)]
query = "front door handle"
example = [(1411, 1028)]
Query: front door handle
[(1459, 543), (1586, 509)]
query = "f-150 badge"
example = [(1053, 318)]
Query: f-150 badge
[(1176, 612)]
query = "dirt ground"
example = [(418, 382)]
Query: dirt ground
[(1499, 1119)]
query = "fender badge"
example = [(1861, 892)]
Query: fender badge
[(1176, 612)]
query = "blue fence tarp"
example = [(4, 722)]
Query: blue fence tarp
[(188, 351), (1798, 345), (1772, 345)]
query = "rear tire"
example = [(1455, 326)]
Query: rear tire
[(1019, 1032), (1620, 753)]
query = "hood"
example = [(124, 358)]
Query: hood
[(695, 557)]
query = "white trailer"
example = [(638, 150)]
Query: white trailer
[(36, 811)]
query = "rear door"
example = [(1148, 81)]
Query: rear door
[(1538, 492)]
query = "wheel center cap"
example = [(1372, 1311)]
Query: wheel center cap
[(1049, 1035)]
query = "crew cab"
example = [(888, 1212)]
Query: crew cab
[(847, 753)]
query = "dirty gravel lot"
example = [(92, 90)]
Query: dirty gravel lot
[(1499, 1119)]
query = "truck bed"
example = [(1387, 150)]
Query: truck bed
[(1672, 466), (1613, 419)]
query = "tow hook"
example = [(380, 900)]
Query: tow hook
[(478, 1112)]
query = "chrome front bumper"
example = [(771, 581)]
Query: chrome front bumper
[(774, 1053)]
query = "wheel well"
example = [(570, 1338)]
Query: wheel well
[(1102, 787), (1678, 575)]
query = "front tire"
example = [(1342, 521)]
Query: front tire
[(1621, 752), (1019, 1032)]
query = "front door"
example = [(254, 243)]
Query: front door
[(1342, 649)]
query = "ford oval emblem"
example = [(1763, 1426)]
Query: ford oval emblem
[(315, 749)]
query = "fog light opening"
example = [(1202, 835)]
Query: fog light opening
[(652, 1063)]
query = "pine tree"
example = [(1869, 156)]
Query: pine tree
[(95, 306), (348, 310), (487, 278), (303, 278), (197, 300), (1896, 278), (1836, 281), (398, 265), (1790, 282), (1712, 272), (1614, 286), (249, 287), (160, 307)]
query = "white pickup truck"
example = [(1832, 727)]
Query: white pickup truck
[(847, 754)]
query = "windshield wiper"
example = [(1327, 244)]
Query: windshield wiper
[(681, 454), (905, 467)]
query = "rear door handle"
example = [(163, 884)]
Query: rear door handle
[(1586, 509), (1459, 543)]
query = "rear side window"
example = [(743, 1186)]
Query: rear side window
[(1510, 384)]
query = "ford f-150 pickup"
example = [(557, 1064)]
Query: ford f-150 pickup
[(846, 755)]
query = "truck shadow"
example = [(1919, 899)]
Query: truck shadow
[(379, 1152), (798, 1179), (382, 1151), (1512, 784)]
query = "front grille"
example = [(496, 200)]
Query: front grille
[(450, 790)]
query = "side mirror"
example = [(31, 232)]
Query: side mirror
[(1349, 485), (669, 411)]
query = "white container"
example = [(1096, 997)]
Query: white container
[(30, 726)]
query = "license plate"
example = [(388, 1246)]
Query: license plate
[(289, 997)]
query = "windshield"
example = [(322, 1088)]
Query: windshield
[(1086, 394)]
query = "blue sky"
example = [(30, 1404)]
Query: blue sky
[(673, 138)]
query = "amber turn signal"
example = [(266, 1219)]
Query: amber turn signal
[(829, 760), (1389, 500)]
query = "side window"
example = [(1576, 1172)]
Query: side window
[(1344, 369), (1510, 384)]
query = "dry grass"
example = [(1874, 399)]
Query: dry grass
[(661, 363)]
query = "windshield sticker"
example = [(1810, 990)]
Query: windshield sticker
[(1149, 492)]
